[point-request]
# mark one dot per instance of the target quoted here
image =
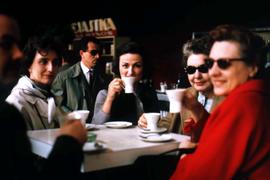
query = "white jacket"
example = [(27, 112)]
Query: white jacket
[(33, 105)]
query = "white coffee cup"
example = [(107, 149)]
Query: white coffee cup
[(152, 120), (78, 115), (175, 97), (129, 84)]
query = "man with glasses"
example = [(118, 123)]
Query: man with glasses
[(76, 88)]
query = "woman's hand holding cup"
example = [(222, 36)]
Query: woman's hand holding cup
[(115, 87), (142, 123)]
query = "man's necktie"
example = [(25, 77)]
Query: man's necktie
[(91, 77)]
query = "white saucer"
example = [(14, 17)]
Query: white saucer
[(157, 138), (118, 124), (92, 146), (158, 130)]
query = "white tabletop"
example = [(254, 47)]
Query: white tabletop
[(123, 146)]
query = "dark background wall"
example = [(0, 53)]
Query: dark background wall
[(162, 26)]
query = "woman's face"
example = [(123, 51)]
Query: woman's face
[(199, 80), (44, 67), (238, 72), (131, 65)]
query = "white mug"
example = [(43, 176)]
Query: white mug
[(78, 115), (129, 84), (152, 120), (175, 97)]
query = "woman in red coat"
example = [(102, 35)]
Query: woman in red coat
[(235, 141)]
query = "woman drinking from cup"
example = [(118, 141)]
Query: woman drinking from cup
[(237, 132), (195, 52), (119, 102)]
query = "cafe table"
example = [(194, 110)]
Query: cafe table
[(122, 146)]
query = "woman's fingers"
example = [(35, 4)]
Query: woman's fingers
[(142, 122)]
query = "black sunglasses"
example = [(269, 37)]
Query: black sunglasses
[(192, 69), (94, 52), (223, 63)]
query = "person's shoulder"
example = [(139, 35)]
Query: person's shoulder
[(70, 72), (103, 92)]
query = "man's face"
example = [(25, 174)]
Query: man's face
[(91, 55)]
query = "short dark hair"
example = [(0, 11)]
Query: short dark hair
[(85, 40), (133, 48), (253, 47), (42, 45)]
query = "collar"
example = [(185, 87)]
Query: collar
[(84, 68)]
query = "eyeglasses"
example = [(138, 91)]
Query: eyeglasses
[(93, 52), (223, 63), (192, 69)]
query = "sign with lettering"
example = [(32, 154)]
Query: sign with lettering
[(97, 27)]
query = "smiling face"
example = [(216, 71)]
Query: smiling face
[(200, 81), (44, 67), (131, 65), (225, 80)]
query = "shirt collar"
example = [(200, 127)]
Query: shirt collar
[(201, 98), (84, 68)]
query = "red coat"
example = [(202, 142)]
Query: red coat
[(235, 142)]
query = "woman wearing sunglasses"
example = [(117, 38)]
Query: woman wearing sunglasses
[(194, 54), (234, 143)]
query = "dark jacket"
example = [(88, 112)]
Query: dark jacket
[(72, 91), (125, 106), (17, 160)]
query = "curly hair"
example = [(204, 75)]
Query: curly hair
[(196, 46), (41, 45)]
